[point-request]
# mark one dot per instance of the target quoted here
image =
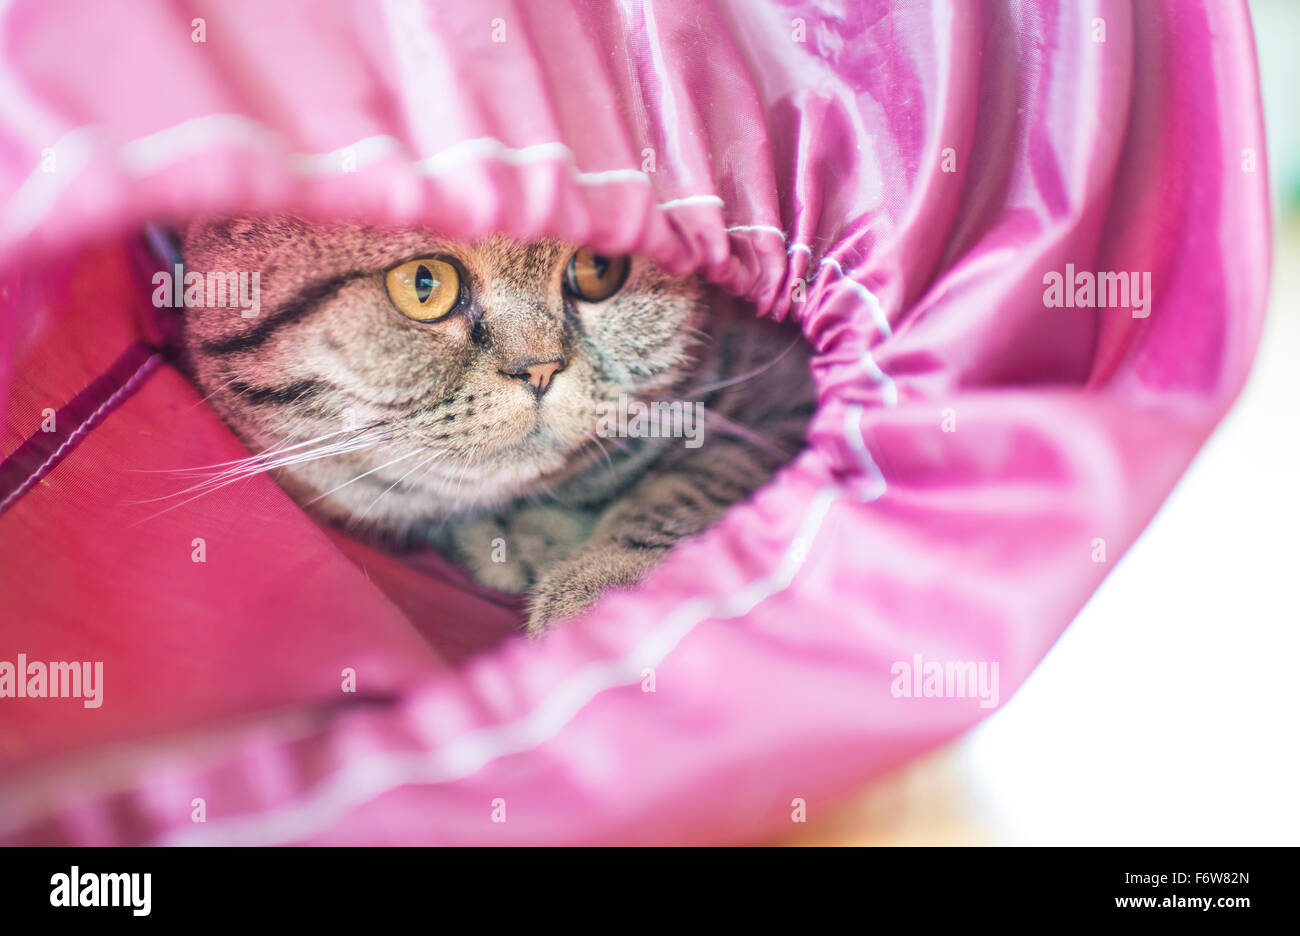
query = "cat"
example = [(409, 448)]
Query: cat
[(421, 390)]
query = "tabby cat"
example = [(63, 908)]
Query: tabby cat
[(416, 389)]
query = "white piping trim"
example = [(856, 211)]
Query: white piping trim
[(41, 191), (18, 110), (889, 389), (606, 176), (853, 433), (878, 317), (866, 295), (765, 228), (150, 153), (491, 148), (692, 200), (366, 150)]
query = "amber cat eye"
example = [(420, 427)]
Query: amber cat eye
[(425, 290), (594, 277)]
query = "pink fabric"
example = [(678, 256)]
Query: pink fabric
[(920, 168)]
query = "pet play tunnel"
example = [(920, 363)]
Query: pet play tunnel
[(906, 181)]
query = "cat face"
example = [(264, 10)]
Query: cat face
[(440, 376)]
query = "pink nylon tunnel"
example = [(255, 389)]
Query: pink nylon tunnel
[(900, 182)]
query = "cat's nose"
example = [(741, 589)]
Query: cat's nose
[(537, 375)]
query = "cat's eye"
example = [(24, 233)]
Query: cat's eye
[(594, 277), (425, 290)]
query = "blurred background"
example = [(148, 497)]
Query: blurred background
[(1190, 734)]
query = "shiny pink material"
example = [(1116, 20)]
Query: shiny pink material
[(898, 181)]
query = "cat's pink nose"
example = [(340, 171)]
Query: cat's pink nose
[(538, 375)]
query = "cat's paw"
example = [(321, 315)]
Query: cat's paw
[(508, 553), (481, 546), (573, 586)]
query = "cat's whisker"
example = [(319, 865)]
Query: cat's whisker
[(699, 334), (469, 462), (749, 375), (254, 466), (593, 437), (218, 389), (546, 489), (207, 489), (341, 448), (620, 444), (739, 430), (264, 453), (434, 457), (446, 517), (365, 474), (257, 465)]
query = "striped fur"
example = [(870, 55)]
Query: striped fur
[(406, 432)]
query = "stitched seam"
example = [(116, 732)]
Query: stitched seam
[(55, 457)]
